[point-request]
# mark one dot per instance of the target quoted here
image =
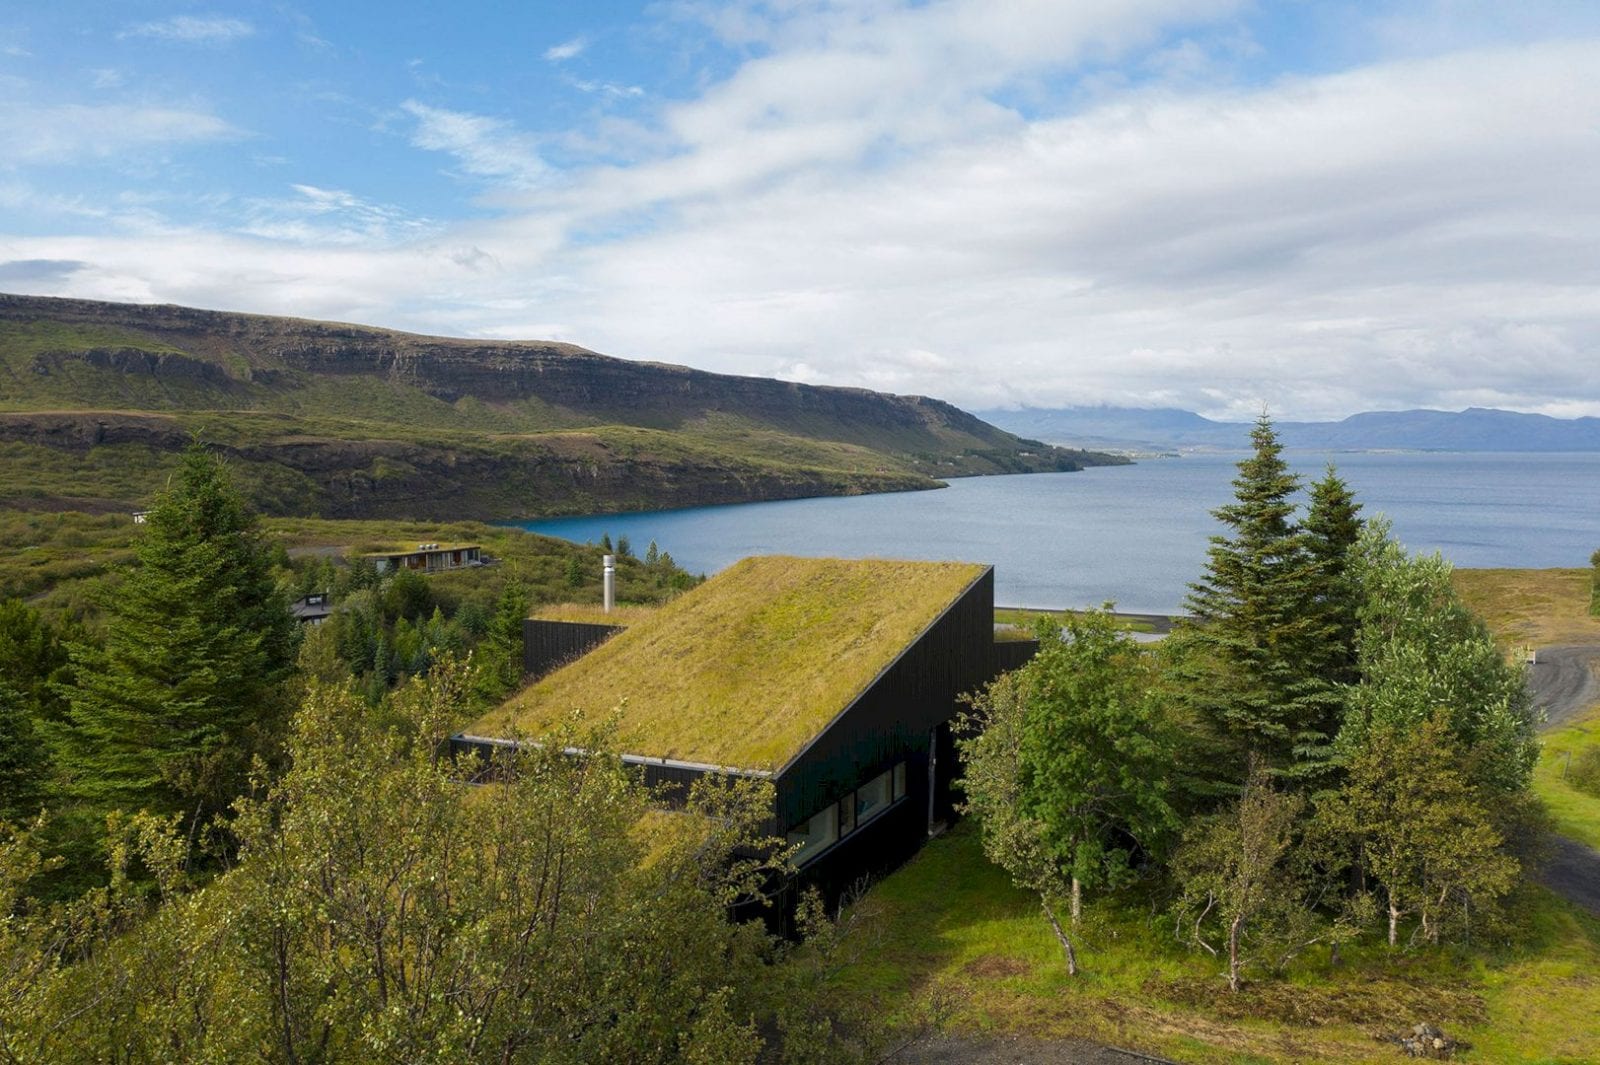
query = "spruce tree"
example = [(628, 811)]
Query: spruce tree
[(1256, 624), (188, 687), (1333, 525)]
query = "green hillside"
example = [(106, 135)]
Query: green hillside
[(349, 421)]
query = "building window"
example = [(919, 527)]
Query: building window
[(815, 834), (847, 814), (874, 795), (900, 780)]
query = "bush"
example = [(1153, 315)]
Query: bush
[(1584, 771)]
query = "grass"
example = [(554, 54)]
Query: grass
[(950, 929), (746, 668), (1024, 618), (1573, 813), (1541, 607), (62, 561), (593, 614)]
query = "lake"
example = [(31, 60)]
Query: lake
[(1137, 534)]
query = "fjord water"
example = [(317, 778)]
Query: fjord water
[(1137, 534)]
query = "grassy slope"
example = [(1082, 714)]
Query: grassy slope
[(60, 560), (679, 439), (746, 668), (949, 927)]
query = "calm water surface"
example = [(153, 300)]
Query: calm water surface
[(1137, 534)]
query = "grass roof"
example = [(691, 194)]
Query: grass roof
[(746, 668)]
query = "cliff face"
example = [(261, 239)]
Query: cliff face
[(371, 421)]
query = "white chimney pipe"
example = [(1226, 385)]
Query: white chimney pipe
[(610, 581)]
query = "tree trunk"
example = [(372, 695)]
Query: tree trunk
[(1394, 920), (1077, 903), (1233, 952), (1066, 944)]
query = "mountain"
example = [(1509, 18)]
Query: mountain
[(350, 421), (1474, 429)]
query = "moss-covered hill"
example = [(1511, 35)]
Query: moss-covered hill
[(349, 421)]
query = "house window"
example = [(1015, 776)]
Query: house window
[(900, 780), (874, 795), (815, 834), (847, 814)]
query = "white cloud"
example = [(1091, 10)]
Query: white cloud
[(560, 53), (319, 216), (69, 132), (859, 204), (193, 29), (485, 147)]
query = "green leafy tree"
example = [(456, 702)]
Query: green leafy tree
[(189, 686), (1243, 663), (1422, 652), (1594, 584), (1246, 882), (1067, 775), (1421, 830), (380, 911)]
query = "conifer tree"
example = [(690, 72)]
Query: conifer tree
[(22, 761), (1243, 662), (188, 687), (1333, 525)]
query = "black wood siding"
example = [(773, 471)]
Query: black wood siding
[(547, 645), (894, 718)]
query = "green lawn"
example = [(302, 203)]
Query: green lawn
[(1024, 618), (949, 928), (1573, 812)]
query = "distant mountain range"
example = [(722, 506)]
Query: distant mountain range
[(1474, 429)]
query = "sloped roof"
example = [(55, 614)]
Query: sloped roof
[(745, 669)]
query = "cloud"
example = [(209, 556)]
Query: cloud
[(861, 201), (28, 271), (560, 53), (609, 89), (71, 132), (317, 215), (485, 147), (193, 29)]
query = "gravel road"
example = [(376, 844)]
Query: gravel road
[(1564, 682), (952, 1050)]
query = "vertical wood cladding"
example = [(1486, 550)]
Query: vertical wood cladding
[(893, 718), (549, 644)]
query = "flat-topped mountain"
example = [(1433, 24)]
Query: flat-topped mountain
[(347, 420)]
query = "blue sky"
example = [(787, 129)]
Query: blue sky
[(1212, 204)]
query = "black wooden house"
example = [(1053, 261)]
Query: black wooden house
[(867, 662)]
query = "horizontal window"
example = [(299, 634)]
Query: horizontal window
[(815, 834), (874, 795)]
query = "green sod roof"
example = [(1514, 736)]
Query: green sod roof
[(745, 669)]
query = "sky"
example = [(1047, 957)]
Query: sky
[(1216, 205)]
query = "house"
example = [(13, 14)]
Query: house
[(426, 558), (834, 679), (312, 609)]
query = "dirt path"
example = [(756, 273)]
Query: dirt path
[(953, 1050), (1563, 681)]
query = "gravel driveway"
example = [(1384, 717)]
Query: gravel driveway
[(1563, 681)]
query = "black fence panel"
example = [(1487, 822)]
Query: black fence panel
[(1014, 654), (548, 645)]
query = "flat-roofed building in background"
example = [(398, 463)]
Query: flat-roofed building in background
[(835, 679), (426, 558)]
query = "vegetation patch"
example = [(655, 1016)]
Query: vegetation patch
[(1561, 775), (744, 669), (1538, 607)]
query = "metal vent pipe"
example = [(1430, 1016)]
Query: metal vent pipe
[(609, 581)]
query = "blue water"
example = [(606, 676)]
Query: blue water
[(1136, 535)]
